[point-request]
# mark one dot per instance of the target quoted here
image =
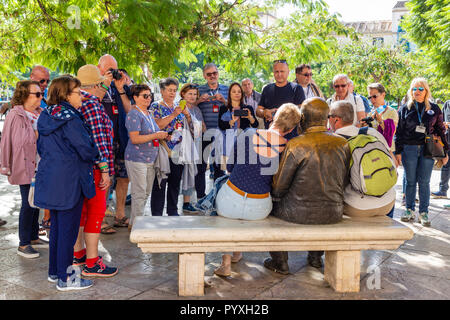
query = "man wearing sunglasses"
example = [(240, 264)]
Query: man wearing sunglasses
[(278, 93), (212, 96), (41, 75), (303, 76), (341, 86)]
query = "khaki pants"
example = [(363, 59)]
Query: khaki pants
[(353, 212), (141, 178)]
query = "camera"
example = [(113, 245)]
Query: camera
[(368, 120), (116, 74), (241, 113)]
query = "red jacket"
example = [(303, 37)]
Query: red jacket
[(18, 147)]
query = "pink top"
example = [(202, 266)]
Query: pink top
[(18, 147)]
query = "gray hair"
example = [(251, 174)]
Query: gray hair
[(209, 65), (376, 86), (343, 110), (341, 76), (246, 79)]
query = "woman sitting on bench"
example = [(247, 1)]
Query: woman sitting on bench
[(246, 194)]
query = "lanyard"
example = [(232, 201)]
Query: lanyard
[(420, 116), (147, 118)]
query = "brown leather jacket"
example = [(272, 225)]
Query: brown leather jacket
[(309, 185)]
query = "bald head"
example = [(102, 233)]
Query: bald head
[(41, 75), (106, 62), (315, 112)]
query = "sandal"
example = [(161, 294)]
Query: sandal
[(121, 223), (45, 224), (107, 228)]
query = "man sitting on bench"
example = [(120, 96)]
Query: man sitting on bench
[(309, 185)]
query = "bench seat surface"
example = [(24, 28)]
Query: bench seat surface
[(204, 231)]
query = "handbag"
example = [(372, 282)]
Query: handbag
[(31, 194), (434, 148)]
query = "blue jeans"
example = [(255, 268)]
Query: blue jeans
[(418, 170), (28, 219), (445, 175)]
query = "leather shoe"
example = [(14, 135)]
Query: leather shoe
[(315, 260), (282, 268)]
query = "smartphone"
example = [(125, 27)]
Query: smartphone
[(182, 104), (241, 113)]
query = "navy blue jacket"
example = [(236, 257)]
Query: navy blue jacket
[(123, 132), (67, 152), (408, 120)]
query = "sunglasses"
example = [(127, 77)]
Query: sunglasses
[(306, 74), (332, 116), (419, 88), (146, 96), (280, 61), (38, 94), (210, 74), (373, 97), (42, 81), (192, 86), (340, 85)]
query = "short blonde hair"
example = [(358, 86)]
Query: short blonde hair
[(424, 83), (287, 117)]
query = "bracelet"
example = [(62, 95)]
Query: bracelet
[(105, 87), (103, 167), (104, 171), (121, 93)]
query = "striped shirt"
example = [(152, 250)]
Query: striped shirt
[(210, 117)]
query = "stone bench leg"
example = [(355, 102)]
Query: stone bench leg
[(191, 271), (342, 270)]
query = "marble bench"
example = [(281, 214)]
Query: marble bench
[(192, 236)]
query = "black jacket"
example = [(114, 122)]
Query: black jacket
[(408, 120)]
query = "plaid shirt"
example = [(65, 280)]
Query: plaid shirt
[(101, 126)]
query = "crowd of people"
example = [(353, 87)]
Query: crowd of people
[(285, 151)]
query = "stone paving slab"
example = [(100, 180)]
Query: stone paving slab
[(419, 269)]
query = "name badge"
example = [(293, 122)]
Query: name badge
[(215, 108), (421, 129), (115, 109)]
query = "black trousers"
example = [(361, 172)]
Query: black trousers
[(200, 180), (158, 196)]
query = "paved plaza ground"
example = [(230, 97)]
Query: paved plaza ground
[(419, 269)]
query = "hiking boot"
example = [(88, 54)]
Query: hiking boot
[(75, 284), (439, 195), (28, 252), (99, 270), (408, 216), (282, 268), (423, 219), (189, 208)]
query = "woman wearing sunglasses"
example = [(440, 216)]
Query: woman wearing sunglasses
[(18, 159), (141, 150), (417, 118)]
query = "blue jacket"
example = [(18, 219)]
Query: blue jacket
[(67, 152), (123, 132)]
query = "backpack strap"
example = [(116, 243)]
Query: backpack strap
[(363, 130)]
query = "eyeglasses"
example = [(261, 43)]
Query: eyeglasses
[(38, 94), (42, 81), (419, 88), (307, 74), (340, 85), (146, 96), (280, 61), (192, 86), (373, 97), (210, 74)]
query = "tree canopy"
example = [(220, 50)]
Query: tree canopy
[(428, 26), (151, 35)]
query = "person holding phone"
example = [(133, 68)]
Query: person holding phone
[(235, 115)]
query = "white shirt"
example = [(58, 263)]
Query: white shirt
[(354, 198), (356, 101), (309, 93)]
